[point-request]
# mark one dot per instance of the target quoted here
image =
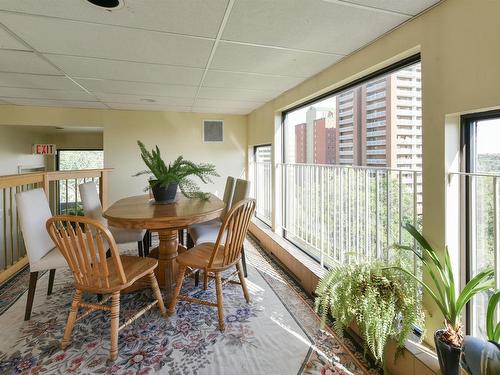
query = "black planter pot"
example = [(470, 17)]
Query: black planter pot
[(163, 194), (448, 356)]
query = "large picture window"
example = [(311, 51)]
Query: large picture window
[(480, 136), (352, 167)]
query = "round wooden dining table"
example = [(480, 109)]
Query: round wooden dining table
[(141, 212)]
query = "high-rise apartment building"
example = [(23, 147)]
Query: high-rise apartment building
[(315, 140), (300, 143), (377, 124)]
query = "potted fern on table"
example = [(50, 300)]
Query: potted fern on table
[(176, 175)]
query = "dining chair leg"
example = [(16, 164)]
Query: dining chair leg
[(244, 261), (181, 236), (178, 286), (52, 274), (189, 241), (115, 316), (157, 293), (197, 278), (220, 305), (243, 282), (146, 243), (205, 279), (31, 295), (140, 249), (71, 319)]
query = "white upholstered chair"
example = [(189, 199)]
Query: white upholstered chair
[(194, 231), (207, 232), (92, 208), (34, 211)]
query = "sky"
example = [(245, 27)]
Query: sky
[(488, 136)]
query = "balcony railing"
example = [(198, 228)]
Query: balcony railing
[(341, 214), (61, 188), (262, 175)]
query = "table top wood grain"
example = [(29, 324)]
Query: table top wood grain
[(142, 212)]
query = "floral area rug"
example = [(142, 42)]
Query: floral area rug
[(277, 333)]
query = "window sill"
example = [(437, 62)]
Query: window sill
[(416, 359)]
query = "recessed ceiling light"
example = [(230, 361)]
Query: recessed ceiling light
[(107, 4), (148, 100)]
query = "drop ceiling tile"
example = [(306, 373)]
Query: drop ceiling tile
[(193, 17), (236, 94), (24, 62), (59, 36), (7, 41), (56, 103), (412, 7), (85, 67), (12, 92), (37, 81), (307, 25), (221, 110), (148, 107), (137, 88), (252, 59), (235, 104), (144, 100), (216, 78)]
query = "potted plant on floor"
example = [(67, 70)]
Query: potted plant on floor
[(378, 299), (167, 178), (481, 357), (444, 293)]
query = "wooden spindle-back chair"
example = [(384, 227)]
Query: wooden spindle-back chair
[(84, 242), (218, 257)]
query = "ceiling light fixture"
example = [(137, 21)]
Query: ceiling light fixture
[(107, 4)]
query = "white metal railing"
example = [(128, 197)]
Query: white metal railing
[(483, 197), (262, 175), (340, 214)]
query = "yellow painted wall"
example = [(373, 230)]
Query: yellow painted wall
[(175, 134), (458, 41)]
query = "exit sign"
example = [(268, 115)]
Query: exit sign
[(44, 149)]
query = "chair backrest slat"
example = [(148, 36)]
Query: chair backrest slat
[(233, 232), (83, 242)]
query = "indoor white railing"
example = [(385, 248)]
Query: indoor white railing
[(262, 177)]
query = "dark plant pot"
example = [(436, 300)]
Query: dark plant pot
[(163, 194), (448, 356)]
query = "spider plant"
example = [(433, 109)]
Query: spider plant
[(176, 173), (492, 329), (443, 288)]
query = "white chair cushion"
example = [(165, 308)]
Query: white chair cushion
[(91, 202), (34, 211), (205, 232), (126, 235), (52, 260)]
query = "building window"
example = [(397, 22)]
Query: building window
[(343, 186), (481, 167)]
